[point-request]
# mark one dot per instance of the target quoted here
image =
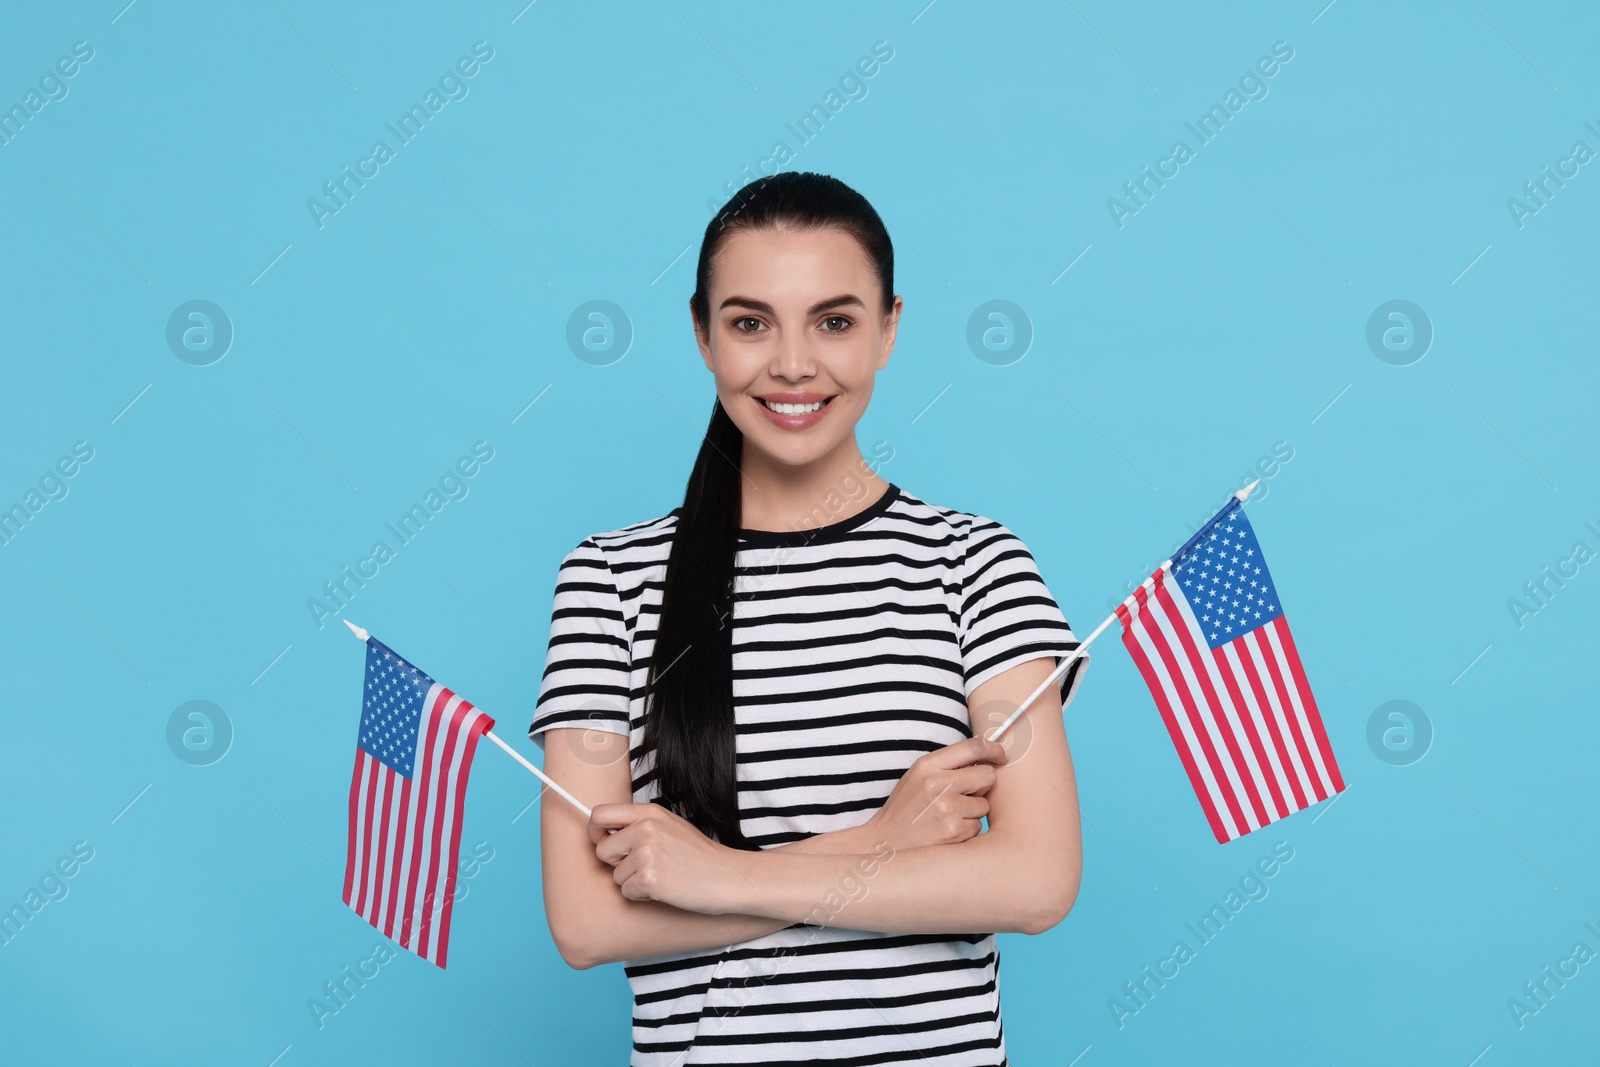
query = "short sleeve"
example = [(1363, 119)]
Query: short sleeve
[(1007, 614), (588, 668)]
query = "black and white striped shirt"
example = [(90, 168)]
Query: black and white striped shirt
[(855, 647)]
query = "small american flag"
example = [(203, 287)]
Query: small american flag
[(412, 759), (1212, 643)]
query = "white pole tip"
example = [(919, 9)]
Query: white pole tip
[(358, 631), (1244, 493)]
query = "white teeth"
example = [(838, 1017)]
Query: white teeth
[(794, 409)]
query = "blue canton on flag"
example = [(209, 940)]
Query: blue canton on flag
[(1226, 581), (396, 694)]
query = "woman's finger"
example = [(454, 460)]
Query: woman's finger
[(967, 751), (597, 829), (614, 848), (975, 780), (971, 807), (606, 818), (623, 869)]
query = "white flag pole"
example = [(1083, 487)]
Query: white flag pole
[(574, 801), (1078, 652)]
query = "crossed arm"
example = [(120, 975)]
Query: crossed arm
[(920, 864)]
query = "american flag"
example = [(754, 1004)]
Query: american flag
[(412, 759), (1208, 634)]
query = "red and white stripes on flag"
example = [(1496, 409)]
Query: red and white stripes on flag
[(406, 801), (1239, 710)]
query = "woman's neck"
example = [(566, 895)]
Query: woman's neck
[(777, 496)]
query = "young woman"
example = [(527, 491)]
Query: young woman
[(775, 699)]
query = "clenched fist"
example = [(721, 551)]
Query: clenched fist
[(943, 797)]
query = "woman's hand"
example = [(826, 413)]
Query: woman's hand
[(942, 797), (659, 855)]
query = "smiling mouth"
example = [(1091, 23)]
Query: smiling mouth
[(795, 409)]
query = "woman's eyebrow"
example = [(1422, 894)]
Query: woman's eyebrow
[(822, 305)]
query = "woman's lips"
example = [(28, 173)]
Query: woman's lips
[(794, 422)]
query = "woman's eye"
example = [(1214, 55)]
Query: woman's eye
[(737, 323), (845, 323)]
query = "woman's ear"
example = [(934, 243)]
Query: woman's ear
[(890, 331), (702, 339)]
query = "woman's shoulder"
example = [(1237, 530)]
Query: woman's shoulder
[(634, 542), (964, 527), (636, 532)]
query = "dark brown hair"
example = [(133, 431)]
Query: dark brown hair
[(689, 718)]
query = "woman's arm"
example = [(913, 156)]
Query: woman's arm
[(1020, 876), (591, 920)]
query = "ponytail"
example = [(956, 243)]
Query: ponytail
[(690, 724), (689, 714)]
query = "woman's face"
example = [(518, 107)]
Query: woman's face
[(795, 320)]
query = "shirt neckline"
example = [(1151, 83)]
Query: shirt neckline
[(832, 531)]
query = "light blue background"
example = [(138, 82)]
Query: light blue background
[(427, 314)]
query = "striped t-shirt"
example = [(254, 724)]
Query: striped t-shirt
[(855, 647)]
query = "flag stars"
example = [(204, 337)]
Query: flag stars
[(395, 702), (1224, 578)]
